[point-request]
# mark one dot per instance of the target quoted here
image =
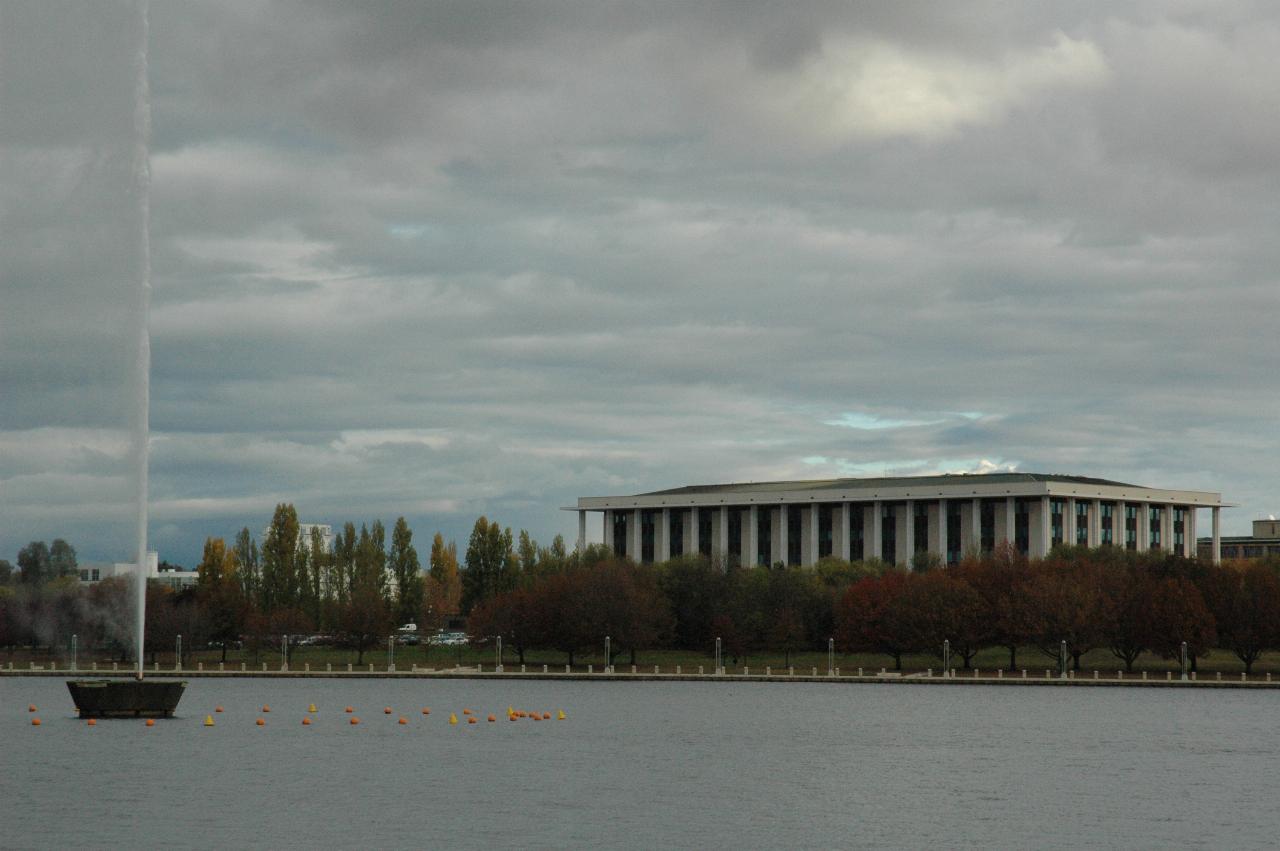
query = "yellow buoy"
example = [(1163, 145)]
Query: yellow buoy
[(311, 708), (208, 720), (560, 716), (453, 718)]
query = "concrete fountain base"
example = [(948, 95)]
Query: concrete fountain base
[(132, 698)]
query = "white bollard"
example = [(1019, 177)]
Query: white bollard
[(815, 672), (1268, 676), (633, 669), (95, 667), (859, 672), (328, 668), (1219, 676), (264, 666), (655, 669), (1046, 673), (791, 671), (199, 666), (928, 672), (837, 672), (746, 671), (999, 673), (522, 669), (678, 668), (976, 672), (306, 667), (544, 669), (242, 667), (1168, 675), (591, 669), (768, 670), (221, 666), (566, 669), (1244, 677), (699, 670), (1119, 675), (1024, 673), (1095, 675)]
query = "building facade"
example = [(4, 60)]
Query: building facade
[(1265, 541), (894, 519)]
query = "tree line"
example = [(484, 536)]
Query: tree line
[(550, 600)]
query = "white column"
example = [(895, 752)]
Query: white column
[(635, 528), (907, 540), (750, 536), (1041, 528), (784, 529), (808, 534), (1144, 527), (840, 531), (1217, 535), (942, 529), (1095, 523), (691, 530), (1166, 529), (608, 529), (877, 523), (1189, 534), (975, 521), (662, 542), (1010, 519), (582, 531), (720, 536)]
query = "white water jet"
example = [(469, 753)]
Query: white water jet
[(141, 188)]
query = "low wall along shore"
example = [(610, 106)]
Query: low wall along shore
[(640, 673)]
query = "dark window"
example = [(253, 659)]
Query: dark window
[(646, 536), (824, 531), (677, 533), (704, 531), (856, 513), (735, 535), (888, 534), (1022, 525), (1057, 521), (921, 530), (987, 513), (953, 532), (794, 527), (620, 533), (764, 536)]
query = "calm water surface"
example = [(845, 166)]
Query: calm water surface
[(646, 765)]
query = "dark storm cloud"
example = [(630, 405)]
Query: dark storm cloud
[(439, 259)]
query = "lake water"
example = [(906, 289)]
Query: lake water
[(646, 765)]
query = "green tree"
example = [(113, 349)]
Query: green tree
[(33, 561), (527, 550), (279, 561), (407, 572), (6, 572), (491, 565), (62, 559), (248, 569), (366, 616)]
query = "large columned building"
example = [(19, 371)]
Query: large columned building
[(893, 519)]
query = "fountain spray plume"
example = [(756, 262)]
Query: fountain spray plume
[(141, 187)]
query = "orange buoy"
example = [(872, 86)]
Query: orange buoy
[(31, 707), (536, 717), (403, 720), (386, 710), (35, 722), (354, 720), (151, 722), (92, 722), (349, 709), (217, 709), (306, 722), (512, 717), (426, 710), (261, 722), (466, 712), (266, 708), (546, 716), (492, 719), (471, 719)]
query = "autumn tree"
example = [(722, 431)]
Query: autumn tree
[(1177, 613), (1248, 611), (872, 616), (219, 594)]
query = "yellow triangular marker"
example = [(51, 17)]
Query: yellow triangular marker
[(453, 719), (208, 720), (560, 716), (311, 708)]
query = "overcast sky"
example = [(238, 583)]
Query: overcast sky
[(441, 259)]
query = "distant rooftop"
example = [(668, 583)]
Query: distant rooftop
[(887, 482)]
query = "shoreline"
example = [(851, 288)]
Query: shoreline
[(921, 679)]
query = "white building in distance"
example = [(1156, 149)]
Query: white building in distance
[(896, 518), (176, 579)]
